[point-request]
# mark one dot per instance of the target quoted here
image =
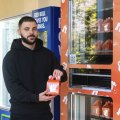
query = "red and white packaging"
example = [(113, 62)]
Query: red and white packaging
[(107, 110), (53, 87), (96, 108)]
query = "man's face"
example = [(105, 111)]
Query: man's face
[(28, 32)]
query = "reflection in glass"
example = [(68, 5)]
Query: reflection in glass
[(76, 107), (91, 31)]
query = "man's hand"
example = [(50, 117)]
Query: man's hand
[(57, 74), (44, 97)]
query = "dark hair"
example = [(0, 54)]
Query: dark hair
[(26, 19)]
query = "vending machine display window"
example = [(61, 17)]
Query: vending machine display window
[(90, 78), (89, 107), (90, 31)]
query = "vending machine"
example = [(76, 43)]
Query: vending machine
[(48, 20), (90, 53)]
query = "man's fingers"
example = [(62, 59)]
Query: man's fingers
[(43, 93), (44, 97), (57, 74), (50, 77)]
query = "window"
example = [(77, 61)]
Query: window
[(8, 32)]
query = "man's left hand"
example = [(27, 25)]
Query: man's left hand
[(57, 74)]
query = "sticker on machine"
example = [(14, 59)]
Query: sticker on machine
[(72, 58)]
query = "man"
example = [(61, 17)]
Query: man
[(26, 68)]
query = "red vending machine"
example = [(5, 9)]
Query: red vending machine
[(90, 52)]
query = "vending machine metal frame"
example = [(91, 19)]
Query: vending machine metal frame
[(114, 93)]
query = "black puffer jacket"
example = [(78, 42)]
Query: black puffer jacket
[(25, 73)]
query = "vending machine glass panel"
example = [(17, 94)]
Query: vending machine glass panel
[(89, 107), (90, 31), (90, 78)]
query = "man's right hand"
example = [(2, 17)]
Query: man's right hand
[(44, 97)]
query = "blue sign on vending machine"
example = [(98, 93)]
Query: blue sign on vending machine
[(48, 26), (49, 31)]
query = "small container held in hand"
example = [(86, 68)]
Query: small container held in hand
[(53, 87)]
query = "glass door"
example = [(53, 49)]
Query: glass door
[(90, 31), (8, 32), (89, 107)]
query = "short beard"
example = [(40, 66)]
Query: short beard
[(25, 40)]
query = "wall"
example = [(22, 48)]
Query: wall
[(9, 8)]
